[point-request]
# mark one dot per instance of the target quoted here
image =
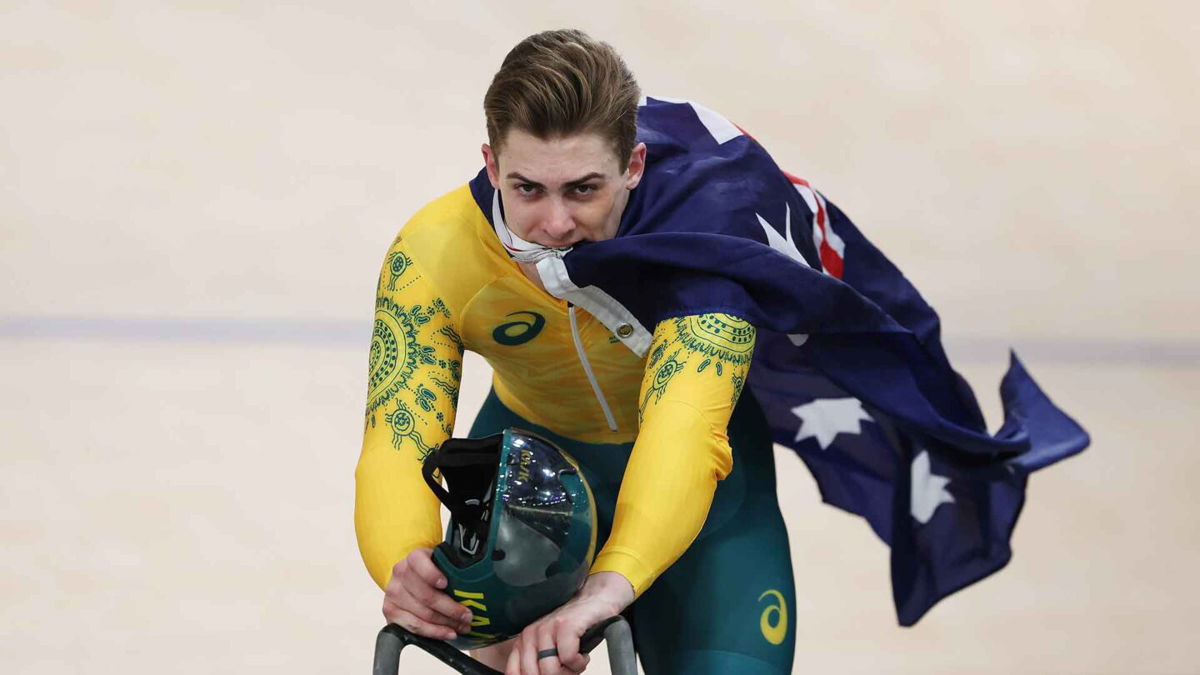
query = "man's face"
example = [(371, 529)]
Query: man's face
[(564, 190)]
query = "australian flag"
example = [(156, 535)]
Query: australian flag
[(848, 366)]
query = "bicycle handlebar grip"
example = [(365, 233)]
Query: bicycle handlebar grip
[(387, 652), (622, 659)]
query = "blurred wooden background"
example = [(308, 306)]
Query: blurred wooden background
[(195, 198)]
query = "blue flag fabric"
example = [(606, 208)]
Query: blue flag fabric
[(848, 367)]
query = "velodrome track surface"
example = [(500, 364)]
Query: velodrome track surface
[(196, 198)]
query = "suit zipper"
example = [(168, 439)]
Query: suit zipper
[(587, 369)]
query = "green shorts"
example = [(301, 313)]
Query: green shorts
[(725, 606)]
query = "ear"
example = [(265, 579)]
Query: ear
[(637, 166), (492, 161)]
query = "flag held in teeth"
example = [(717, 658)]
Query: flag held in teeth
[(848, 367)]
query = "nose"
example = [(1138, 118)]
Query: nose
[(557, 222)]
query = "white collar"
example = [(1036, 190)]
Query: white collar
[(518, 248)]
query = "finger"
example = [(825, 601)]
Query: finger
[(415, 624), (547, 665), (567, 639), (420, 561), (451, 613), (580, 664), (436, 608), (529, 650), (417, 585), (513, 667)]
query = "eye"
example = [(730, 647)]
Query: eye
[(585, 189), (525, 189)]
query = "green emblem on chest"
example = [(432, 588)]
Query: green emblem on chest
[(520, 330)]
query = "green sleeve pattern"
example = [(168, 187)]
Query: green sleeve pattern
[(415, 363)]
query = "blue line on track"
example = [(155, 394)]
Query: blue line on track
[(322, 332), (357, 335)]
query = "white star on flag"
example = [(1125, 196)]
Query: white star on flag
[(777, 242), (928, 489), (825, 418), (788, 248)]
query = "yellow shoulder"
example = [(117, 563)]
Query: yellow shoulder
[(453, 244)]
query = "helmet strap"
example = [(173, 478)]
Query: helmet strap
[(463, 454)]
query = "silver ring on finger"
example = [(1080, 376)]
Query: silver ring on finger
[(547, 653)]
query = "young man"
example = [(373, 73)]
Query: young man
[(562, 160), (620, 264)]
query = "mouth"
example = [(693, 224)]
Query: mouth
[(565, 244)]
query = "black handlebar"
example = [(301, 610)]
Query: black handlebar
[(392, 639)]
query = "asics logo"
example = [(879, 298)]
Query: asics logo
[(517, 331), (774, 620)]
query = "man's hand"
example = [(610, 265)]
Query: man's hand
[(604, 595), (414, 600)]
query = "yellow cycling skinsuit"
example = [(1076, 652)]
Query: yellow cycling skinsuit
[(653, 435)]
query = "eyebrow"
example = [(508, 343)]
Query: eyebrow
[(570, 184)]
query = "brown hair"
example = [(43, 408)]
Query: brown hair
[(563, 82)]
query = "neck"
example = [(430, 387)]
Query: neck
[(531, 273)]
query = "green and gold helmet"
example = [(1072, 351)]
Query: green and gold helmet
[(522, 530)]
